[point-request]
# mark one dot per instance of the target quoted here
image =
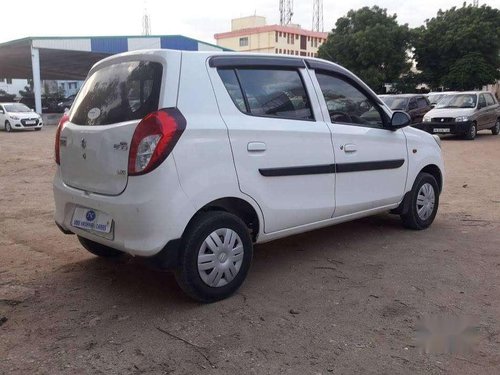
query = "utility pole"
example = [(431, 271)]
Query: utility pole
[(286, 12), (146, 21), (317, 23)]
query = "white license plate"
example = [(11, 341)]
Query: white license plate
[(442, 130), (30, 122), (90, 219)]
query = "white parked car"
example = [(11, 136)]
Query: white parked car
[(17, 116), (192, 157)]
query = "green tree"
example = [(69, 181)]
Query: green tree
[(370, 43), (6, 97), (407, 83), (459, 48), (28, 90)]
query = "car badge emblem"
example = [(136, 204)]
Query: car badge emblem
[(83, 143), (442, 120), (90, 215)]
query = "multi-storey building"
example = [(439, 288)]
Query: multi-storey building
[(251, 34)]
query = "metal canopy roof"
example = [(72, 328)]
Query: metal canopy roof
[(15, 62), (72, 57)]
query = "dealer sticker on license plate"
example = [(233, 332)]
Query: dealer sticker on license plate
[(441, 130), (87, 218)]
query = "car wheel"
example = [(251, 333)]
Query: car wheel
[(99, 249), (472, 132), (215, 258), (8, 128), (496, 129), (423, 203)]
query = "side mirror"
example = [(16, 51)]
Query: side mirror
[(2, 112), (480, 105), (399, 120)]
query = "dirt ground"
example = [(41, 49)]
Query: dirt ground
[(341, 300)]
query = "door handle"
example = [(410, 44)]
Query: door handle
[(256, 147), (350, 148)]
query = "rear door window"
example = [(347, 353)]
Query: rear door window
[(489, 99), (268, 92), (117, 93)]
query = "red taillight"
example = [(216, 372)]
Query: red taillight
[(154, 139), (62, 121)]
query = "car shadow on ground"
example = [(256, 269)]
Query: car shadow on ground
[(133, 279)]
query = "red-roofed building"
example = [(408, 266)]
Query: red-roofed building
[(251, 34)]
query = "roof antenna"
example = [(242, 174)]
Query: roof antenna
[(146, 21)]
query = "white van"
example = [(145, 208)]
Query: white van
[(192, 157)]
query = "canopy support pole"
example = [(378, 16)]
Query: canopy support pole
[(37, 83)]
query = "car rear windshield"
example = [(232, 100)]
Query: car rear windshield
[(119, 92)]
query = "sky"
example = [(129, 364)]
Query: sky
[(194, 18)]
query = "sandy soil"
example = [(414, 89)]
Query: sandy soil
[(342, 300)]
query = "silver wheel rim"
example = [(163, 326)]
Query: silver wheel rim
[(426, 199), (473, 131), (220, 257), (497, 126)]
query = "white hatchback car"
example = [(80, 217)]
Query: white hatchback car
[(17, 116), (192, 157)]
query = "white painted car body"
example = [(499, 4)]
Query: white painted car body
[(16, 115), (223, 153)]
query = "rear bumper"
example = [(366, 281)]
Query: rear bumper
[(151, 212), (438, 127)]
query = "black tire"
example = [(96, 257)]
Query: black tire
[(187, 274), (411, 218), (8, 128), (496, 129), (99, 249), (472, 132)]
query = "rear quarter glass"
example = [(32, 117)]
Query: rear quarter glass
[(120, 92)]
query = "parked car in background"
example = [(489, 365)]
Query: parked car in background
[(464, 113), (17, 116), (48, 105), (435, 97), (416, 105), (66, 103), (192, 157)]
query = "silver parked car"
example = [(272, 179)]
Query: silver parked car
[(464, 113)]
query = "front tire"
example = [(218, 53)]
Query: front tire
[(8, 127), (216, 256), (99, 249), (472, 132), (496, 129), (423, 203)]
